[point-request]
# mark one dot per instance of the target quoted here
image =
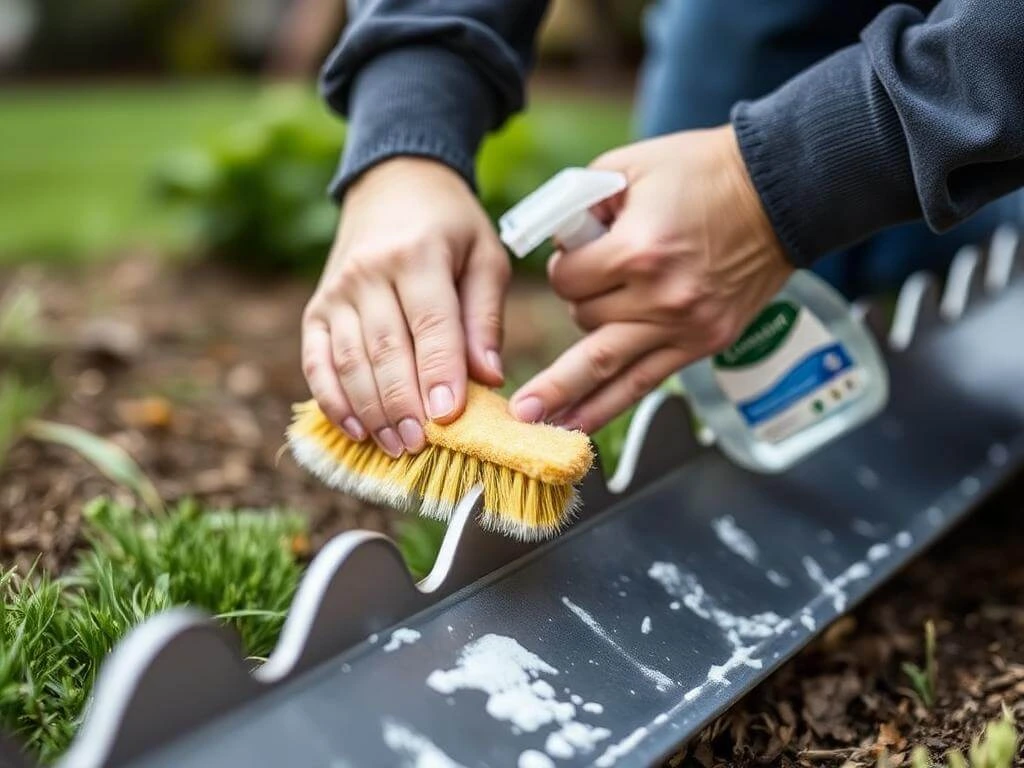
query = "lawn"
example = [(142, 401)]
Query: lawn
[(75, 161)]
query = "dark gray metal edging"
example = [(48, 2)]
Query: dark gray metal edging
[(175, 692)]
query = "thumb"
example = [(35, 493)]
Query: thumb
[(482, 291)]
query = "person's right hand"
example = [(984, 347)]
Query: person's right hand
[(410, 300)]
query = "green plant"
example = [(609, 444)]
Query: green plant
[(54, 633), (21, 323), (924, 681), (995, 748), (19, 403), (419, 540), (257, 194)]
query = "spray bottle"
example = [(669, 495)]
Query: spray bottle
[(803, 373)]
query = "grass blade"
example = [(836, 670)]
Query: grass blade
[(110, 459)]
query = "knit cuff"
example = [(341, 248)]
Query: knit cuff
[(423, 101), (828, 157)]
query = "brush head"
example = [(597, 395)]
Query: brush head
[(529, 472)]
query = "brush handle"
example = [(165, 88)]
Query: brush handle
[(581, 229)]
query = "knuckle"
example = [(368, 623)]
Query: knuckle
[(396, 399), (429, 323), (435, 362), (645, 257), (680, 295), (310, 367), (383, 347), (369, 413), (347, 359), (601, 361)]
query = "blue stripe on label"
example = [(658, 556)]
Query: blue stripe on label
[(813, 371)]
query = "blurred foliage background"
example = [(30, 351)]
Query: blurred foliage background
[(194, 127)]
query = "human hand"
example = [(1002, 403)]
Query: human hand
[(688, 261), (410, 301)]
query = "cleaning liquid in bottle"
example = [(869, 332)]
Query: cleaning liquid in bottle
[(803, 373)]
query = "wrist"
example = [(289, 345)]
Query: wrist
[(757, 226), (405, 170)]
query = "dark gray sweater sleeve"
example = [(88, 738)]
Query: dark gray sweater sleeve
[(923, 118), (428, 78)]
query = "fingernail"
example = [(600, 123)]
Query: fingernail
[(412, 434), (354, 429), (494, 361), (529, 409), (389, 441), (442, 401)]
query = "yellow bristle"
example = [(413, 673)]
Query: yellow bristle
[(528, 471)]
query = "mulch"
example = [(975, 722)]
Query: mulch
[(193, 370)]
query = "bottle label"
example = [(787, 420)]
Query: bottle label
[(786, 372)]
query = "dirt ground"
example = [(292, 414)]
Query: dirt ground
[(193, 370)]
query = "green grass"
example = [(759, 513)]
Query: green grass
[(54, 633), (76, 161)]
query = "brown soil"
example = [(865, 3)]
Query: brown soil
[(193, 371)]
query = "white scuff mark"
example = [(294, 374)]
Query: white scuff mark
[(593, 708), (535, 759), (808, 620), (970, 485), (574, 737), (611, 755), (836, 588), (373, 638), (903, 539), (998, 455), (735, 538), (506, 671), (660, 679), (622, 593), (661, 719), (401, 636), (868, 478), (778, 579), (531, 758), (416, 749), (645, 625), (864, 528), (879, 552)]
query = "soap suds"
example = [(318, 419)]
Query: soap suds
[(836, 588), (373, 638), (808, 620), (868, 478), (504, 670), (574, 737), (904, 539), (645, 625), (675, 605), (778, 579), (998, 455), (531, 758), (401, 636), (735, 538), (879, 552), (611, 755), (510, 676), (660, 679), (970, 485), (934, 515), (417, 750), (864, 528)]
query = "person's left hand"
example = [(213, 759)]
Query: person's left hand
[(689, 260)]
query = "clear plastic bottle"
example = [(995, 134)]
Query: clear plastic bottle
[(804, 372)]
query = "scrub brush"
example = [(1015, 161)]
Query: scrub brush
[(529, 472)]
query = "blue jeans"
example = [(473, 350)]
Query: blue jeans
[(704, 55)]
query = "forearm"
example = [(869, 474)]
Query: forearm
[(923, 118), (414, 78)]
